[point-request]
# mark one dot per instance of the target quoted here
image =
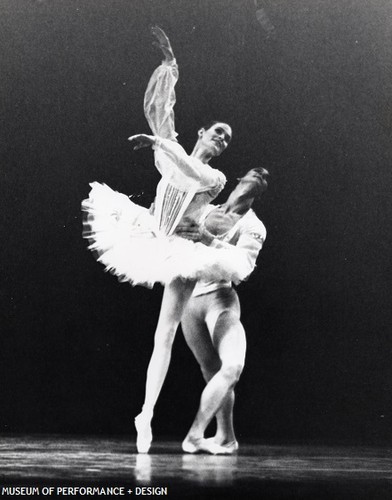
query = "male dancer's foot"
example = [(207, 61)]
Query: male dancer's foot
[(230, 446), (202, 445), (144, 432)]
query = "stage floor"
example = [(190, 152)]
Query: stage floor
[(257, 471)]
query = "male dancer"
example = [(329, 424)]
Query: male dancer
[(211, 322)]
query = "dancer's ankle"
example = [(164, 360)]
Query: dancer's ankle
[(194, 437), (146, 413)]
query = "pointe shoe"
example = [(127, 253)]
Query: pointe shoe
[(202, 445), (144, 433), (230, 448)]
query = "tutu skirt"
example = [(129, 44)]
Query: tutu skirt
[(124, 237)]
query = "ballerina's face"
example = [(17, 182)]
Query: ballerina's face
[(216, 138)]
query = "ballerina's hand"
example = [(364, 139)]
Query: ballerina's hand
[(163, 42), (142, 140)]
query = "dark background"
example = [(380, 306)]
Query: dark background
[(307, 90)]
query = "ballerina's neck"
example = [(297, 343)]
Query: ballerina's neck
[(201, 154)]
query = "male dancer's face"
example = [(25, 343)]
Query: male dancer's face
[(253, 182)]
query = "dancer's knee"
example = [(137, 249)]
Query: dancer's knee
[(210, 368), (232, 372)]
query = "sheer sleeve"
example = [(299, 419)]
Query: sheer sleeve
[(159, 100), (184, 171)]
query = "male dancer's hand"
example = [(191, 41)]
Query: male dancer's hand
[(191, 230)]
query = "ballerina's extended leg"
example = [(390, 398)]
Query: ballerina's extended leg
[(174, 300)]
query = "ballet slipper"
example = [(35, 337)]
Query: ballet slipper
[(189, 446), (144, 433), (231, 447), (201, 445)]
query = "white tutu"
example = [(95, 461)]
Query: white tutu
[(125, 239)]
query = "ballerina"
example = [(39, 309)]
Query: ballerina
[(142, 248)]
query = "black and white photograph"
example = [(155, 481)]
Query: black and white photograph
[(196, 267)]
